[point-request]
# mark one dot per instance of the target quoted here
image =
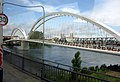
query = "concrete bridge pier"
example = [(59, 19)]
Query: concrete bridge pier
[(24, 45)]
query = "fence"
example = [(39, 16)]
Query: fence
[(50, 73)]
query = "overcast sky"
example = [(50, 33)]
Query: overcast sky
[(106, 11)]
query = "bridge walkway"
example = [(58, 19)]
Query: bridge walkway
[(11, 74)]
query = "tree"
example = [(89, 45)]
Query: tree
[(56, 39), (36, 35), (76, 61)]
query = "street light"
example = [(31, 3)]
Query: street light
[(32, 7), (43, 25)]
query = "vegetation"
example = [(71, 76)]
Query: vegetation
[(76, 61), (36, 35), (56, 39), (103, 71)]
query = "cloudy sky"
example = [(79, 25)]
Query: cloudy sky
[(106, 11)]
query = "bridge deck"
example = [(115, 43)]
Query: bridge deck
[(12, 74)]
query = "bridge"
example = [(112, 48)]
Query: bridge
[(68, 29)]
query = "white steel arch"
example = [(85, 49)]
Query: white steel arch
[(97, 23), (19, 29)]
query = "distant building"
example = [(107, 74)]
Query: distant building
[(62, 38), (71, 38)]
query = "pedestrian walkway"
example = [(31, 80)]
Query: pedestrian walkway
[(11, 74)]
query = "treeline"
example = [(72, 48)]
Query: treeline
[(36, 35), (102, 68)]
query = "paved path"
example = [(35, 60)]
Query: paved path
[(12, 74)]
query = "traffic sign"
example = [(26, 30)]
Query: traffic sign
[(3, 19)]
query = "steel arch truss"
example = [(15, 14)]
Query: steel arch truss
[(94, 22), (14, 31)]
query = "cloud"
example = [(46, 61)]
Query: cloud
[(66, 9), (26, 1), (72, 7), (48, 8), (107, 11)]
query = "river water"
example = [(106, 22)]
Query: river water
[(64, 55)]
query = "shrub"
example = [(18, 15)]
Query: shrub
[(92, 68)]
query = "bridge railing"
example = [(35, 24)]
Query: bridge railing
[(47, 72)]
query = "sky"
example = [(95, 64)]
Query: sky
[(105, 11)]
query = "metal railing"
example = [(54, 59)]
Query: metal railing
[(48, 72)]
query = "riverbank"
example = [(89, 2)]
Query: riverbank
[(88, 49)]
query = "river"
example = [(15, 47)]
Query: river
[(64, 55)]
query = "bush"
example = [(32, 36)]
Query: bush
[(97, 68), (92, 68), (85, 70), (114, 67)]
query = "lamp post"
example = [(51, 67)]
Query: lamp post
[(32, 7), (43, 25)]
